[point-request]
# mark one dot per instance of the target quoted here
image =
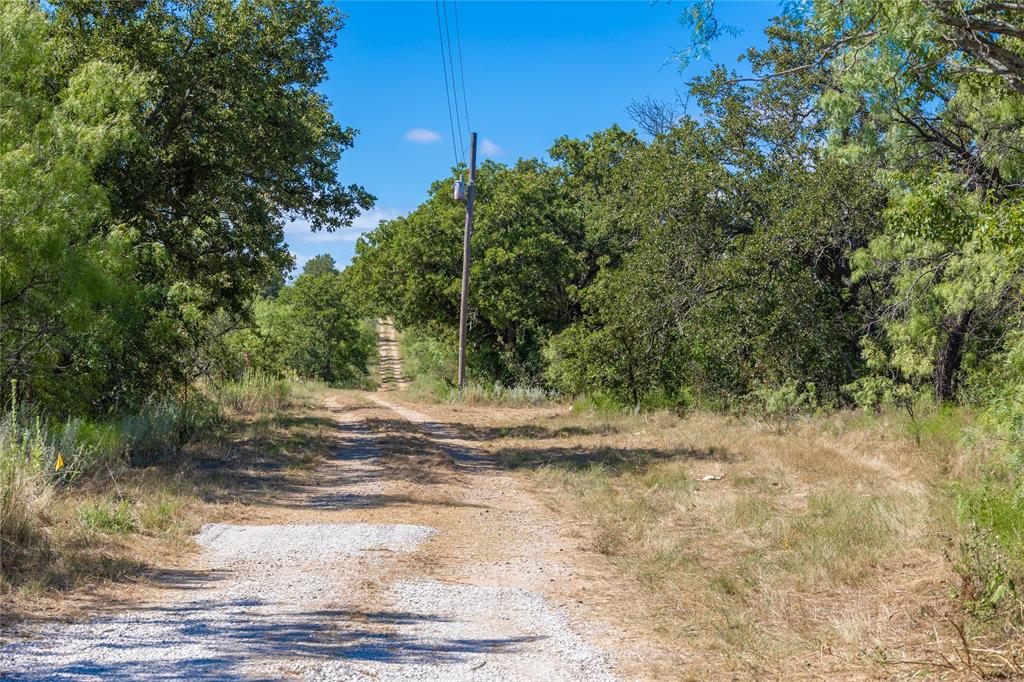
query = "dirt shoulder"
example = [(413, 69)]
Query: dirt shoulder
[(499, 532)]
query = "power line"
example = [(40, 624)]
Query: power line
[(451, 65), (444, 70), (462, 73)]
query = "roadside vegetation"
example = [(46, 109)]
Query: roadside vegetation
[(87, 501), (816, 545), (806, 278), (155, 345), (832, 232)]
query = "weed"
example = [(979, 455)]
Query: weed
[(107, 517), (254, 393), (161, 515)]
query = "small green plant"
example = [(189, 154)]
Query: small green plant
[(107, 517), (160, 516), (781, 404)]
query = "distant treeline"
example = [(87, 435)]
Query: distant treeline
[(845, 225)]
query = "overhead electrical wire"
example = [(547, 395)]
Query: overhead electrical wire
[(444, 70), (455, 91), (462, 72)]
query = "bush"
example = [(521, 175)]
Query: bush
[(990, 555), (781, 404), (254, 392), (428, 360), (497, 394)]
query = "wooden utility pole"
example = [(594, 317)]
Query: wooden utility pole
[(463, 310)]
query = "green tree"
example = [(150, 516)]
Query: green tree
[(733, 268), (935, 92), (319, 265), (60, 253), (230, 140), (310, 329), (524, 264)]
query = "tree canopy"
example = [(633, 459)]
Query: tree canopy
[(179, 137)]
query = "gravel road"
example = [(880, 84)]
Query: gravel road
[(334, 600)]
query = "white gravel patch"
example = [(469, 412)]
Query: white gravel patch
[(443, 631), (265, 593), (307, 543)]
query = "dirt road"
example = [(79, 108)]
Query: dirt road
[(391, 377), (410, 556)]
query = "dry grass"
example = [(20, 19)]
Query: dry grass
[(812, 551)]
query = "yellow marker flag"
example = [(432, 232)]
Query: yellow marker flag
[(60, 462)]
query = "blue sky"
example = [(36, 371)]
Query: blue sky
[(534, 71)]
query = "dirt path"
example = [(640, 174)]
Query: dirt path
[(390, 363), (409, 557)]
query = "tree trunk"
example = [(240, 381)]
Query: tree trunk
[(951, 353)]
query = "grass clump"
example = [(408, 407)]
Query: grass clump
[(500, 395), (254, 393), (107, 516), (161, 515), (840, 536)]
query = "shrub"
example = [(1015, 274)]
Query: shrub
[(990, 555), (254, 392), (497, 394), (783, 403)]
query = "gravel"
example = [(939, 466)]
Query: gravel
[(274, 545), (445, 631), (264, 593), (313, 601)]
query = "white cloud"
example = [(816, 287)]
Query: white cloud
[(300, 233), (369, 220), (422, 135), (297, 226), (488, 148)]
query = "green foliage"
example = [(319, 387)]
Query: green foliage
[(990, 555), (107, 517), (320, 265), (497, 394), (309, 330), (782, 403), (148, 162), (58, 262), (523, 268), (254, 393), (739, 275)]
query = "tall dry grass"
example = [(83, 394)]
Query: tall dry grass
[(767, 546)]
